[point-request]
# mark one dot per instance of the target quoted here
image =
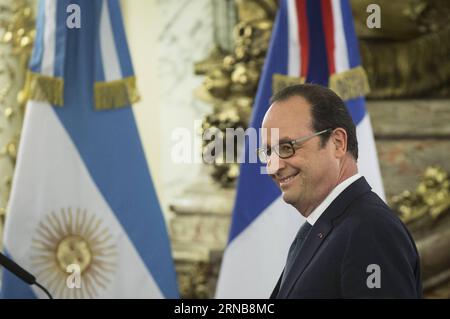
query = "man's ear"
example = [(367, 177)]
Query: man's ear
[(339, 138)]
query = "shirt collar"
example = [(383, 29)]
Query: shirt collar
[(318, 211)]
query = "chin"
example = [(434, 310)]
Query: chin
[(288, 198)]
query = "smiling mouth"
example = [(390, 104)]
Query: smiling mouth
[(287, 180)]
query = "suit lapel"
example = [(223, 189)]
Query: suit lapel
[(319, 232)]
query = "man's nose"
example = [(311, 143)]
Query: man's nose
[(274, 164)]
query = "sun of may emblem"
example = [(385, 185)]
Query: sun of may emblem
[(73, 246)]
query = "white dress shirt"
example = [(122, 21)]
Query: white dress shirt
[(318, 211)]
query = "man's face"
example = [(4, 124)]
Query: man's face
[(307, 177)]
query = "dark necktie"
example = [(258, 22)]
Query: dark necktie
[(295, 248)]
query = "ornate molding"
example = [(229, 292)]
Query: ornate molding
[(17, 32)]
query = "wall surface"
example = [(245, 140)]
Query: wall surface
[(166, 38)]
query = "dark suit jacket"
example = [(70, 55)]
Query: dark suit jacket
[(357, 229)]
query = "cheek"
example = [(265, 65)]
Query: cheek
[(296, 163), (312, 164), (318, 165), (326, 164)]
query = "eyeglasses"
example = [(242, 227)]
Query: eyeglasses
[(286, 149)]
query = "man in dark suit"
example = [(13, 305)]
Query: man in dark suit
[(351, 245)]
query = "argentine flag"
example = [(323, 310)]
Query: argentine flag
[(83, 215), (315, 42)]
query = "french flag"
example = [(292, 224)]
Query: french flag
[(313, 42)]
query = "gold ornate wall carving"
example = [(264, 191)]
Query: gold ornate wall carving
[(232, 78), (429, 202), (17, 32), (409, 55), (426, 212)]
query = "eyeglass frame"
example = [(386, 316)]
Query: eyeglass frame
[(292, 143)]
